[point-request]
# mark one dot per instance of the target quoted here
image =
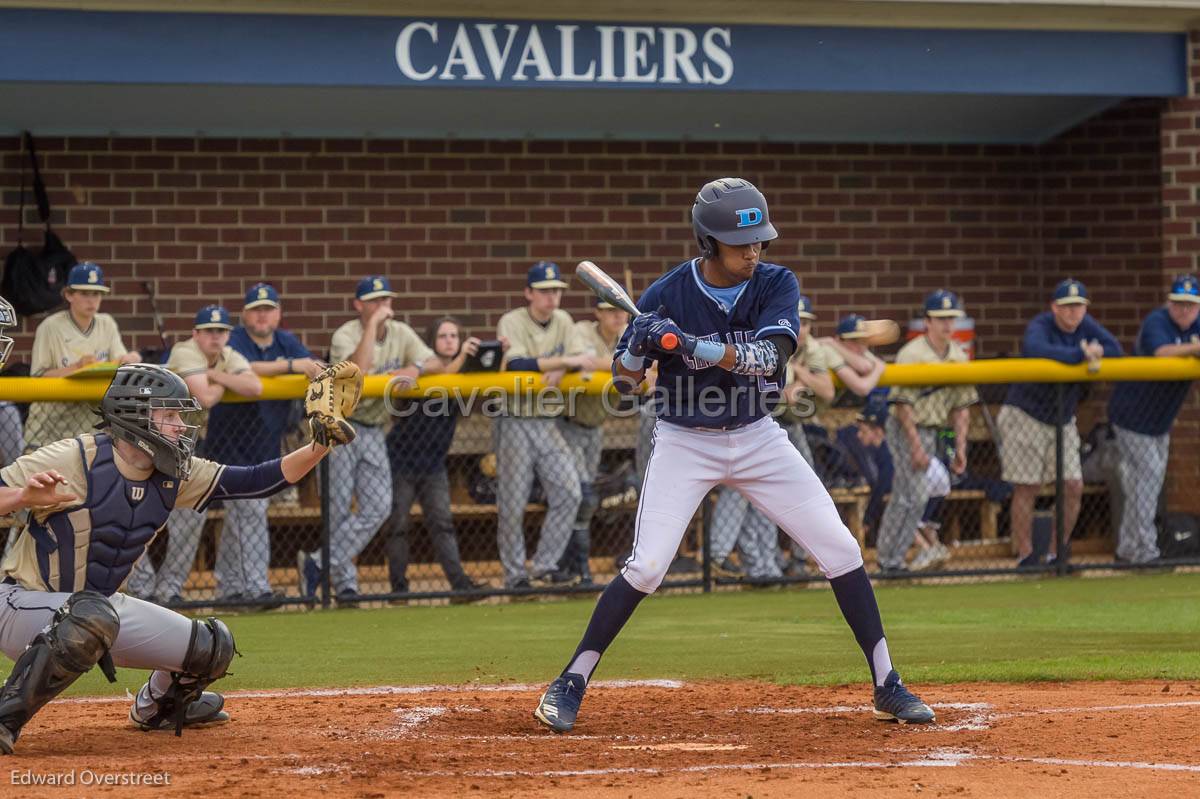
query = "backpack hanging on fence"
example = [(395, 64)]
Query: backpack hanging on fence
[(33, 283), (1179, 536)]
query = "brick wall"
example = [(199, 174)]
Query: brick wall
[(870, 228)]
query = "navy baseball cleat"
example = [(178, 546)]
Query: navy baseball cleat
[(894, 702), (559, 706)]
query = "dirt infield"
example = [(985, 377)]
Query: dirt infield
[(635, 739)]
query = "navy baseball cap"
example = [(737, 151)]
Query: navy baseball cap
[(1071, 292), (875, 411), (261, 294), (87, 276), (212, 317), (545, 275), (942, 303), (852, 326), (1185, 289), (374, 286), (806, 311)]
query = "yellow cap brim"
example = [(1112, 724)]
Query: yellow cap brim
[(374, 295), (89, 287), (548, 284)]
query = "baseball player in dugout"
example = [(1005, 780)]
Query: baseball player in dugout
[(67, 341), (1026, 422), (1142, 415), (209, 367), (379, 344), (243, 433), (734, 318), (529, 439), (96, 501), (915, 428), (582, 427)]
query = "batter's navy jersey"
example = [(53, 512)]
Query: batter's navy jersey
[(766, 305)]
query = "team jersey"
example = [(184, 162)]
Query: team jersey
[(815, 358), (932, 405), (399, 348), (527, 338), (1151, 408), (59, 342), (692, 394), (186, 360), (589, 408)]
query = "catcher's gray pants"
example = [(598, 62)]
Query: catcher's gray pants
[(244, 549), (910, 495), (357, 470), (1142, 468), (151, 637), (184, 527), (526, 446), (737, 522)]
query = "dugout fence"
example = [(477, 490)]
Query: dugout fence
[(474, 490)]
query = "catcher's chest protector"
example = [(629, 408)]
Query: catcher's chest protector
[(118, 519)]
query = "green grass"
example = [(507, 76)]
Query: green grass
[(1135, 627)]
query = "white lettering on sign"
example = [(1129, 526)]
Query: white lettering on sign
[(633, 54)]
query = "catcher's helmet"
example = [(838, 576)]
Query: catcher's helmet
[(136, 390), (8, 318), (733, 211)]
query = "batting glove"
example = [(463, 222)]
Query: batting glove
[(640, 342), (687, 342)]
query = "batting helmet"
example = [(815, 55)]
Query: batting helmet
[(732, 211), (136, 390)]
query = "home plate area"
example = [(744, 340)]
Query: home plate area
[(637, 737)]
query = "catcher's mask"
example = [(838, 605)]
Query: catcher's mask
[(8, 318), (151, 408)]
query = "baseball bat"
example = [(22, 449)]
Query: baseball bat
[(880, 332), (611, 292), (158, 323)]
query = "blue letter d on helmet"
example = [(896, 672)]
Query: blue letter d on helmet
[(749, 217)]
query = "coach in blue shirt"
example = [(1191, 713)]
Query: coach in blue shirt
[(1142, 415), (251, 432), (1027, 421)]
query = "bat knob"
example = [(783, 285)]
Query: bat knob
[(669, 341)]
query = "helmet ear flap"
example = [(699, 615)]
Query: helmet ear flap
[(708, 246)]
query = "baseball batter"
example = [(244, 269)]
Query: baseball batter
[(96, 503), (736, 321)]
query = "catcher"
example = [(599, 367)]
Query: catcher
[(96, 503)]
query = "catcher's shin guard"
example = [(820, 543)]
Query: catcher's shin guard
[(77, 638), (208, 657)]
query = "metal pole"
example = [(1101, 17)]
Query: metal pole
[(1060, 565), (326, 579)]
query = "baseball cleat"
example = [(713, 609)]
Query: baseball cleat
[(559, 706), (894, 702), (204, 711)]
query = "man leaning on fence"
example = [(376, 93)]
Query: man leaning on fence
[(381, 345), (67, 341), (541, 338), (919, 416), (209, 366), (1027, 421), (1142, 415), (246, 433)]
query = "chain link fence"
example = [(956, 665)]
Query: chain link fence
[(452, 502)]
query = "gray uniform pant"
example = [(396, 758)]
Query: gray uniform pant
[(184, 527), (910, 494), (737, 522), (587, 444), (244, 549), (527, 446), (1142, 468), (359, 470), (151, 637)]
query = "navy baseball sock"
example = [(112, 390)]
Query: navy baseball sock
[(856, 598), (614, 608)]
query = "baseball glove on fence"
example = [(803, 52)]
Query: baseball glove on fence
[(332, 396)]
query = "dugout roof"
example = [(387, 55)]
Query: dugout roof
[(885, 77)]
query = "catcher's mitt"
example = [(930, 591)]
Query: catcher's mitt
[(332, 396)]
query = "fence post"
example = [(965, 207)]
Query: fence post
[(326, 572), (706, 543), (1060, 564)]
